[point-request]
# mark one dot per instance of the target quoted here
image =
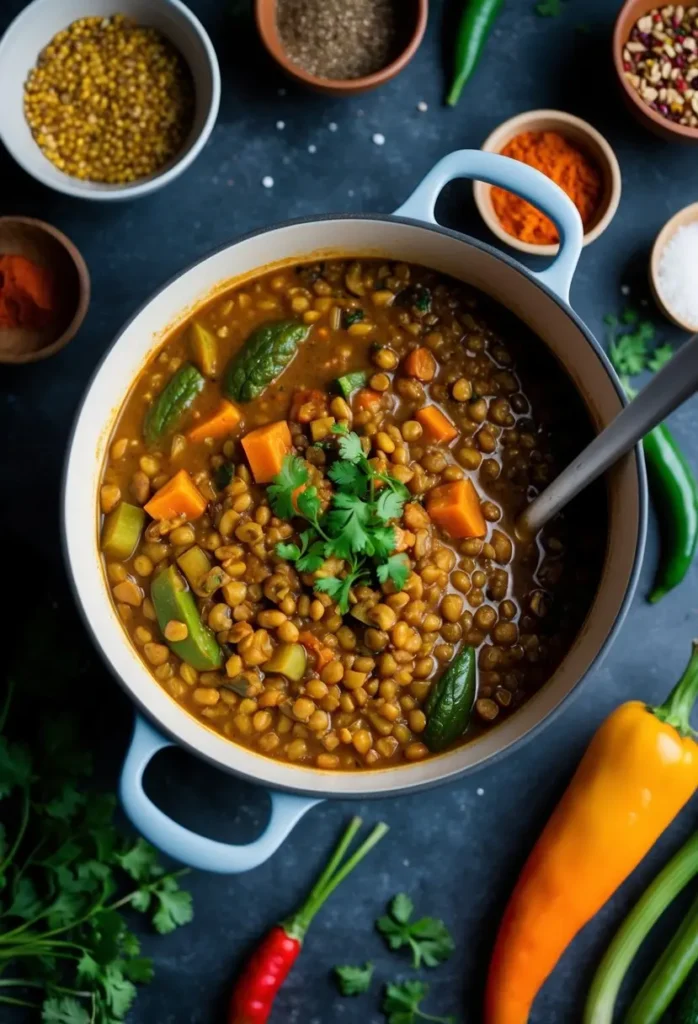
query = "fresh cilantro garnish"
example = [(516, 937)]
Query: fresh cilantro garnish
[(417, 297), (355, 527), (66, 873), (401, 1004), (352, 316), (660, 357), (428, 938), (631, 351), (549, 8), (353, 981)]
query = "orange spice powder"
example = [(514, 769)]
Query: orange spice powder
[(27, 295), (568, 167)]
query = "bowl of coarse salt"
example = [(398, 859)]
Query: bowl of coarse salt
[(674, 268)]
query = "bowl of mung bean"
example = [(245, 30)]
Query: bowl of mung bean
[(107, 99)]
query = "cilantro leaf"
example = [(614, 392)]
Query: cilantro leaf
[(628, 353), (353, 981), (401, 1004), (428, 938), (660, 357), (611, 319), (67, 804), (382, 543), (352, 316), (308, 503), (65, 1010), (292, 475), (348, 477), (396, 569), (630, 316), (291, 552), (549, 8), (15, 766), (350, 447), (140, 862), (337, 589), (174, 906), (25, 900), (88, 968), (347, 520), (222, 475), (389, 505), (139, 969), (313, 558)]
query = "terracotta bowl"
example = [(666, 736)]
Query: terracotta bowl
[(413, 15), (582, 135), (49, 247), (688, 215), (629, 13)]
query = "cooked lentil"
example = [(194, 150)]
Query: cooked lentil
[(355, 695), (338, 39), (109, 100)]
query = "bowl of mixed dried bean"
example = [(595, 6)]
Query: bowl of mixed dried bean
[(107, 104), (655, 52), (289, 515), (342, 47)]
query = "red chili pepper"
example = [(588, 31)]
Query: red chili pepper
[(269, 966)]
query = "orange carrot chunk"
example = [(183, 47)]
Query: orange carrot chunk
[(223, 422), (366, 399), (308, 404), (455, 507), (266, 448), (420, 363), (323, 655), (178, 497), (437, 426)]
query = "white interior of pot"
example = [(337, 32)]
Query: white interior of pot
[(295, 243)]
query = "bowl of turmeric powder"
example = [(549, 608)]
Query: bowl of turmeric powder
[(44, 290), (571, 153)]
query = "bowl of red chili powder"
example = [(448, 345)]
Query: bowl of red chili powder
[(571, 153), (44, 290)]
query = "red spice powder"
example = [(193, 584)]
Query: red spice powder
[(27, 294)]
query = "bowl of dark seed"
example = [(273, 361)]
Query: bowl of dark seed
[(107, 104), (342, 47), (655, 51)]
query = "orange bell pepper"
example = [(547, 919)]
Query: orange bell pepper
[(638, 772)]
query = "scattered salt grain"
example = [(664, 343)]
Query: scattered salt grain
[(312, 148), (625, 289), (677, 275), (480, 791), (280, 125), (332, 126), (422, 107), (378, 139), (268, 181)]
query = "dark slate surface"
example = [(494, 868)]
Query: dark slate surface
[(457, 850)]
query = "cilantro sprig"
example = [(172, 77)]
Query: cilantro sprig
[(428, 938), (67, 875), (355, 528), (354, 980), (630, 341), (401, 1004)]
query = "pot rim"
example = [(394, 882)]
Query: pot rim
[(451, 776)]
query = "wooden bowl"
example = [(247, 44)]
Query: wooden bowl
[(630, 12), (48, 247), (582, 135), (414, 18), (685, 216)]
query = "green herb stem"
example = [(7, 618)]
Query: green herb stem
[(668, 974), (23, 822), (10, 1001)]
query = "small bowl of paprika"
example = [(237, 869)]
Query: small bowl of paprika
[(571, 153), (44, 290)]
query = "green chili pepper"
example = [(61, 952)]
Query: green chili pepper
[(667, 885), (668, 974), (475, 26), (676, 491), (687, 1007)]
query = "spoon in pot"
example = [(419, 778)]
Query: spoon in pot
[(674, 383)]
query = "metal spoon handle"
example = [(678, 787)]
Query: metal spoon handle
[(674, 383)]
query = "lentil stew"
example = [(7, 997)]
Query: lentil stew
[(308, 514)]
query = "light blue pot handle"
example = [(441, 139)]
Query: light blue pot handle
[(517, 177), (181, 843)]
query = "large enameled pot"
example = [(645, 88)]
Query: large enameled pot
[(412, 235)]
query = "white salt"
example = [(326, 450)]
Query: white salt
[(677, 275), (378, 139), (268, 181)]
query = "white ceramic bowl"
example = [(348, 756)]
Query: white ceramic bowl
[(540, 300), (33, 29)]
